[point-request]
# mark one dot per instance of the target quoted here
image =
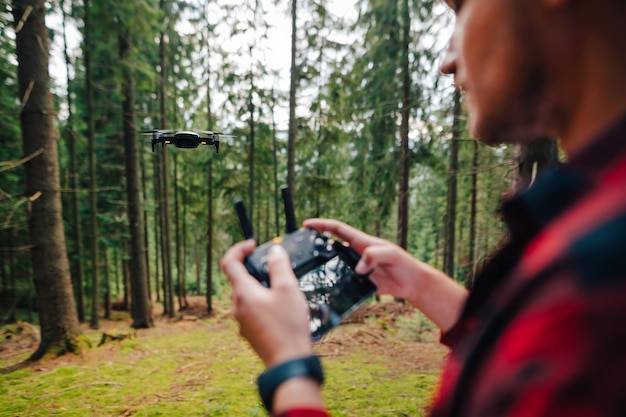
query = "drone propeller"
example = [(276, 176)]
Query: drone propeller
[(221, 135), (157, 132)]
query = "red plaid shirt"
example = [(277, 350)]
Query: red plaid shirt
[(544, 329), (544, 332), (304, 412)]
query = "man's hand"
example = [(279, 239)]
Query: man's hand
[(275, 320), (396, 272)]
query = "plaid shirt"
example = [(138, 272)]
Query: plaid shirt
[(544, 329), (543, 332)]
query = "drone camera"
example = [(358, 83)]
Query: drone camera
[(186, 140)]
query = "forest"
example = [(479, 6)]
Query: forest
[(357, 121)]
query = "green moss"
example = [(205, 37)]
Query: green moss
[(199, 369)]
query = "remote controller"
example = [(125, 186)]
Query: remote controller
[(307, 248), (324, 269)]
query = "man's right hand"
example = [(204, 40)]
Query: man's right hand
[(397, 273)]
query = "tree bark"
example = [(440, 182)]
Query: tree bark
[(275, 167), (77, 259), (209, 238), (107, 287), (141, 309), (93, 197), (156, 176), (146, 234), (473, 217), (453, 168), (180, 277), (168, 285), (51, 272), (403, 189), (291, 140), (209, 231), (251, 156)]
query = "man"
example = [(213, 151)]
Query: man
[(542, 332)]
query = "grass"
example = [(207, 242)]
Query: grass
[(202, 368)]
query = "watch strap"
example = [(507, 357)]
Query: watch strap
[(272, 378)]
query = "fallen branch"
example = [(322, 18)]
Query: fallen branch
[(110, 337)]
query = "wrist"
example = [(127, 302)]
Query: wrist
[(293, 353)]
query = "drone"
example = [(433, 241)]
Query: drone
[(185, 139)]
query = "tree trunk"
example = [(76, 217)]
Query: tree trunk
[(291, 140), (197, 262), (117, 271), (275, 167), (450, 223), (146, 234), (51, 273), (403, 190), (141, 309), (209, 230), (209, 238), (93, 198), (77, 259), (472, 233), (107, 286), (182, 301), (183, 261), (251, 156), (156, 177), (168, 287), (126, 266)]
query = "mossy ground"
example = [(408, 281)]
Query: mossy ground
[(384, 362)]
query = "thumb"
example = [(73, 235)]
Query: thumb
[(279, 267)]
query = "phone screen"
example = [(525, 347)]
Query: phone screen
[(333, 291)]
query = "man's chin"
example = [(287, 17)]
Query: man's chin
[(484, 134), (494, 134)]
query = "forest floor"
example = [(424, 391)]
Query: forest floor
[(383, 361)]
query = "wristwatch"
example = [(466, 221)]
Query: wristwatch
[(270, 380)]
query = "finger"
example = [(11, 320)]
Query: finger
[(232, 262), (279, 267), (357, 239), (376, 256)]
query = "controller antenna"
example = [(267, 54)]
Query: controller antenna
[(290, 214), (246, 227)]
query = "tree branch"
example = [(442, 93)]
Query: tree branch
[(29, 89), (7, 165), (20, 24)]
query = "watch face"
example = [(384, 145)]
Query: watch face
[(334, 291)]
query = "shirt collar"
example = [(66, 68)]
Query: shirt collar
[(602, 152)]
